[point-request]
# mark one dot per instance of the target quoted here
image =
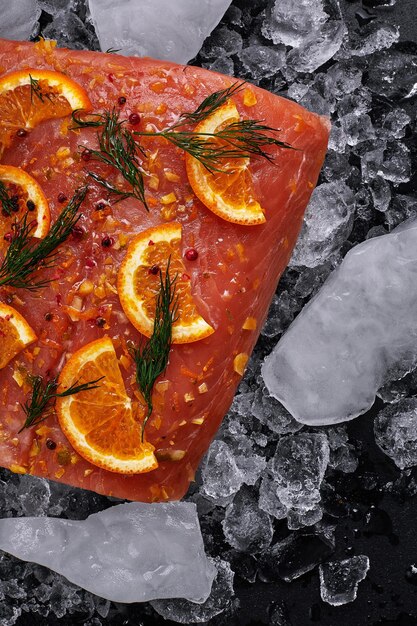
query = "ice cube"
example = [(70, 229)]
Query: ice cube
[(392, 162), (381, 193), (18, 19), (319, 48), (327, 224), (393, 73), (56, 6), (341, 79), (221, 476), (281, 313), (127, 553), (161, 29), (223, 43), (224, 65), (339, 580), (298, 519), (342, 455), (328, 366), (269, 500), (69, 30), (262, 61), (401, 208), (9, 615), (245, 526), (373, 37), (291, 22), (271, 413), (357, 127), (296, 555), (298, 467), (185, 612), (33, 495), (314, 28), (395, 122), (396, 432)]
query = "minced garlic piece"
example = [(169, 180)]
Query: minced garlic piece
[(17, 469), (198, 421), (173, 178), (202, 388), (249, 323), (249, 98), (153, 182), (63, 152), (169, 455), (239, 363), (169, 198), (189, 397), (86, 287)]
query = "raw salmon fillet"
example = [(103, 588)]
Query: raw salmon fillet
[(233, 278)]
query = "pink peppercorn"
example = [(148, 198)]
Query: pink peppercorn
[(191, 254), (134, 119)]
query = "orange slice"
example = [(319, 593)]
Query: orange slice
[(28, 197), (15, 334), (229, 193), (99, 423), (30, 96), (138, 283)]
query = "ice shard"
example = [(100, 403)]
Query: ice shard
[(359, 330), (128, 553), (18, 19), (161, 29)]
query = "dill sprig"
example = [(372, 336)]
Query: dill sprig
[(6, 203), (237, 140), (151, 355), (36, 90), (118, 149), (25, 256), (209, 105), (43, 396)]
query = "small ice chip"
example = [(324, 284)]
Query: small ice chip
[(128, 553), (296, 555), (327, 224), (339, 580), (347, 341), (185, 612), (314, 28), (246, 527), (221, 476), (298, 466), (395, 430)]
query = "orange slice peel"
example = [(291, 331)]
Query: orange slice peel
[(30, 199), (99, 423), (229, 193), (30, 96), (15, 333), (138, 283)]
